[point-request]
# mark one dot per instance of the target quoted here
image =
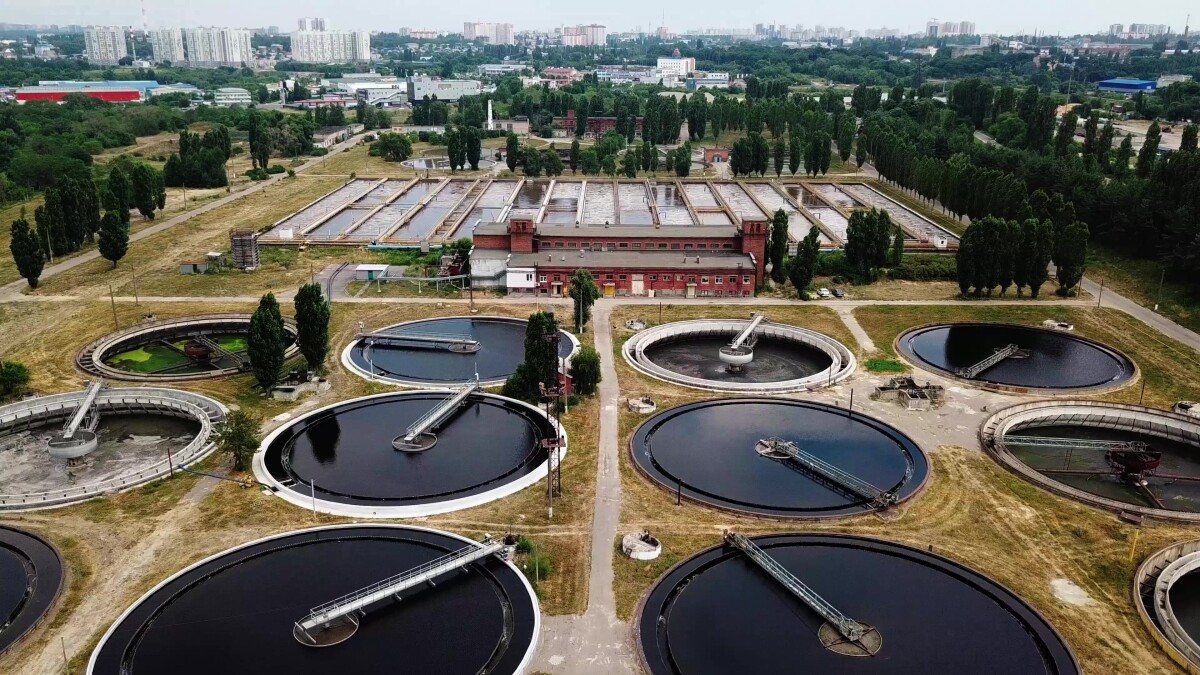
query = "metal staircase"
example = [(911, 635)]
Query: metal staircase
[(971, 372), (849, 628), (353, 606), (1073, 443), (747, 333), (85, 415), (813, 464), (217, 349), (437, 415)]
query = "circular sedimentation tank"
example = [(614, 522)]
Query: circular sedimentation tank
[(1166, 589), (1121, 457), (244, 603), (351, 458), (187, 348), (782, 357), (31, 577), (713, 453), (718, 612), (142, 432), (499, 346), (1044, 360)]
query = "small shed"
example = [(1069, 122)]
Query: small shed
[(370, 272), (194, 267)]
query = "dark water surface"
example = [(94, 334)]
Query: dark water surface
[(1185, 602), (347, 451), (234, 615), (707, 450), (30, 575), (774, 360), (1058, 360), (502, 347), (719, 613)]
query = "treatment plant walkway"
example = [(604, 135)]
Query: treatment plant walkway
[(596, 643)]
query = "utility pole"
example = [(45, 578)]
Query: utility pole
[(1161, 279), (111, 299)]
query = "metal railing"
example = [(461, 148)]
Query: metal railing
[(814, 464), (221, 351), (747, 332), (358, 601), (849, 628), (453, 342), (971, 372), (84, 411), (439, 412), (1073, 443)]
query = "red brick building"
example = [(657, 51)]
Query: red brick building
[(674, 261), (596, 126)]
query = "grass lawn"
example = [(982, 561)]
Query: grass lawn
[(1139, 279)]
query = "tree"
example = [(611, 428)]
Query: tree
[(794, 153), (896, 255), (393, 147), (512, 150), (1149, 152), (860, 149), (845, 137), (541, 359), (13, 379), (683, 160), (629, 164), (531, 161), (803, 265), (1091, 131), (454, 148), (585, 371), (1104, 144), (868, 239), (144, 188), (777, 245), (114, 238), (573, 160), (1124, 154), (609, 165), (1187, 142), (237, 436), (26, 251), (779, 154), (1070, 255), (551, 162), (589, 162), (1066, 134), (474, 147), (312, 325), (584, 293), (266, 343), (117, 193)]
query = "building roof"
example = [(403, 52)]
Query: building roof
[(1128, 82), (233, 90), (619, 231), (673, 260)]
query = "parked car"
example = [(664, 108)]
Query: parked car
[(823, 293), (839, 293)]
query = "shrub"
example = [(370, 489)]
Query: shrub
[(831, 264), (275, 168), (885, 366), (585, 371), (318, 152), (926, 267), (256, 174), (13, 378)]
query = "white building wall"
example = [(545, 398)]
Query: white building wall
[(331, 46), (167, 44), (105, 45)]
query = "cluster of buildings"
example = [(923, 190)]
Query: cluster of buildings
[(492, 33), (120, 91), (934, 29), (314, 43), (389, 91), (1139, 31), (202, 47), (584, 36)]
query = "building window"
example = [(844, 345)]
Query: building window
[(621, 277), (704, 294), (571, 245), (597, 246), (719, 280), (608, 277), (528, 276), (732, 280), (623, 245), (653, 277), (637, 244), (745, 280), (726, 245), (663, 245), (691, 279), (543, 244), (678, 277), (675, 246), (558, 277), (558, 244), (612, 246), (745, 294), (542, 278), (687, 247), (701, 246), (704, 280)]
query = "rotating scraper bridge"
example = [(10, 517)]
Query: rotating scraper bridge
[(740, 352), (434, 212)]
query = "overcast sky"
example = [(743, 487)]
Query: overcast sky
[(1008, 16)]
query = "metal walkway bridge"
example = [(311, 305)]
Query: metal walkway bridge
[(849, 628), (1072, 443), (78, 436), (740, 351), (971, 372), (433, 419), (217, 349), (460, 344), (353, 606), (813, 464)]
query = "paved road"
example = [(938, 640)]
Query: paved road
[(1146, 315), (17, 286), (596, 642)]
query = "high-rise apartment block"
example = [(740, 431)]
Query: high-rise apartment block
[(331, 46), (213, 47), (494, 33), (105, 45), (311, 23), (167, 45), (584, 36)]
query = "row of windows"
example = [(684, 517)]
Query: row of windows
[(637, 246), (691, 278)]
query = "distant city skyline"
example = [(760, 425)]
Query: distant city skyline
[(1014, 17)]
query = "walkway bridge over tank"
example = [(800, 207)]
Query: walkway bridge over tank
[(78, 436), (740, 351), (810, 463), (337, 620), (451, 342), (856, 638), (1009, 352), (431, 421)]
